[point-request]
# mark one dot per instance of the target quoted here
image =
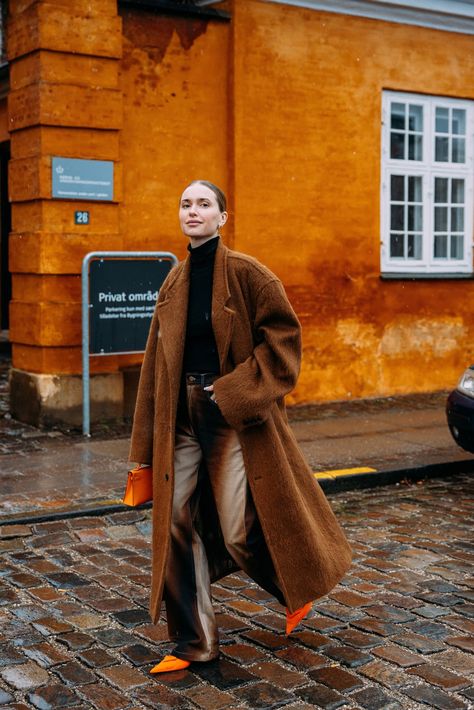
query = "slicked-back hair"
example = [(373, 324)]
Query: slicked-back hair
[(220, 196)]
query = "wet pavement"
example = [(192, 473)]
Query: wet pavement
[(60, 471), (397, 633)]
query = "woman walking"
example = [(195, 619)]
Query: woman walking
[(231, 489)]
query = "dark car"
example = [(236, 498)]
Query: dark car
[(460, 411)]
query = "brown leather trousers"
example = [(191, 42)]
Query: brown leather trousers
[(204, 437)]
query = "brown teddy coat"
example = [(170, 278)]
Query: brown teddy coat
[(259, 344)]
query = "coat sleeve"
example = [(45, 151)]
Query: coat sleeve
[(246, 394), (141, 447)]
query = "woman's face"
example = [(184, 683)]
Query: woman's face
[(199, 213)]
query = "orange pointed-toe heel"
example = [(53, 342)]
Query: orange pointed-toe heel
[(169, 664), (294, 619)]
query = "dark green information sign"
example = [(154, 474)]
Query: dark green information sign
[(122, 297)]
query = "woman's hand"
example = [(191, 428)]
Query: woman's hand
[(210, 388)]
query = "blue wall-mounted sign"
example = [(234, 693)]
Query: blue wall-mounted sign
[(76, 179)]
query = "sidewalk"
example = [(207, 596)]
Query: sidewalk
[(348, 445), (395, 634)]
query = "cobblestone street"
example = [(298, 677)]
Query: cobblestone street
[(397, 633)]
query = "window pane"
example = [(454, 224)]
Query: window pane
[(415, 118), (398, 116), (441, 219), (440, 246), (441, 190), (457, 246), (442, 149), (396, 245), (414, 246), (457, 191), (414, 189), (442, 120), (418, 243), (459, 122), (457, 219), (397, 217), (397, 146), (459, 152), (397, 188), (415, 219), (415, 147)]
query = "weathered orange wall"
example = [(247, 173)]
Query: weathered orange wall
[(63, 100), (174, 77), (173, 80), (307, 103), (282, 107)]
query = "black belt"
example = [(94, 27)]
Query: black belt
[(200, 378)]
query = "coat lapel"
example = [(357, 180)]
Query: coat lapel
[(222, 313), (173, 313)]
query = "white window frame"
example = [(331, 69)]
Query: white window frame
[(428, 169)]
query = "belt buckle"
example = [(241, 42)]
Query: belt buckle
[(200, 378)]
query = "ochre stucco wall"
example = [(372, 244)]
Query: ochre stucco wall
[(174, 78), (63, 101), (282, 108), (307, 103)]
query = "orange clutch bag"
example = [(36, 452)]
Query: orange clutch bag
[(139, 486)]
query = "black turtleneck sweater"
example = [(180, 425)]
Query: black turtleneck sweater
[(200, 350)]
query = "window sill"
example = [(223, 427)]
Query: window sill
[(425, 277)]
